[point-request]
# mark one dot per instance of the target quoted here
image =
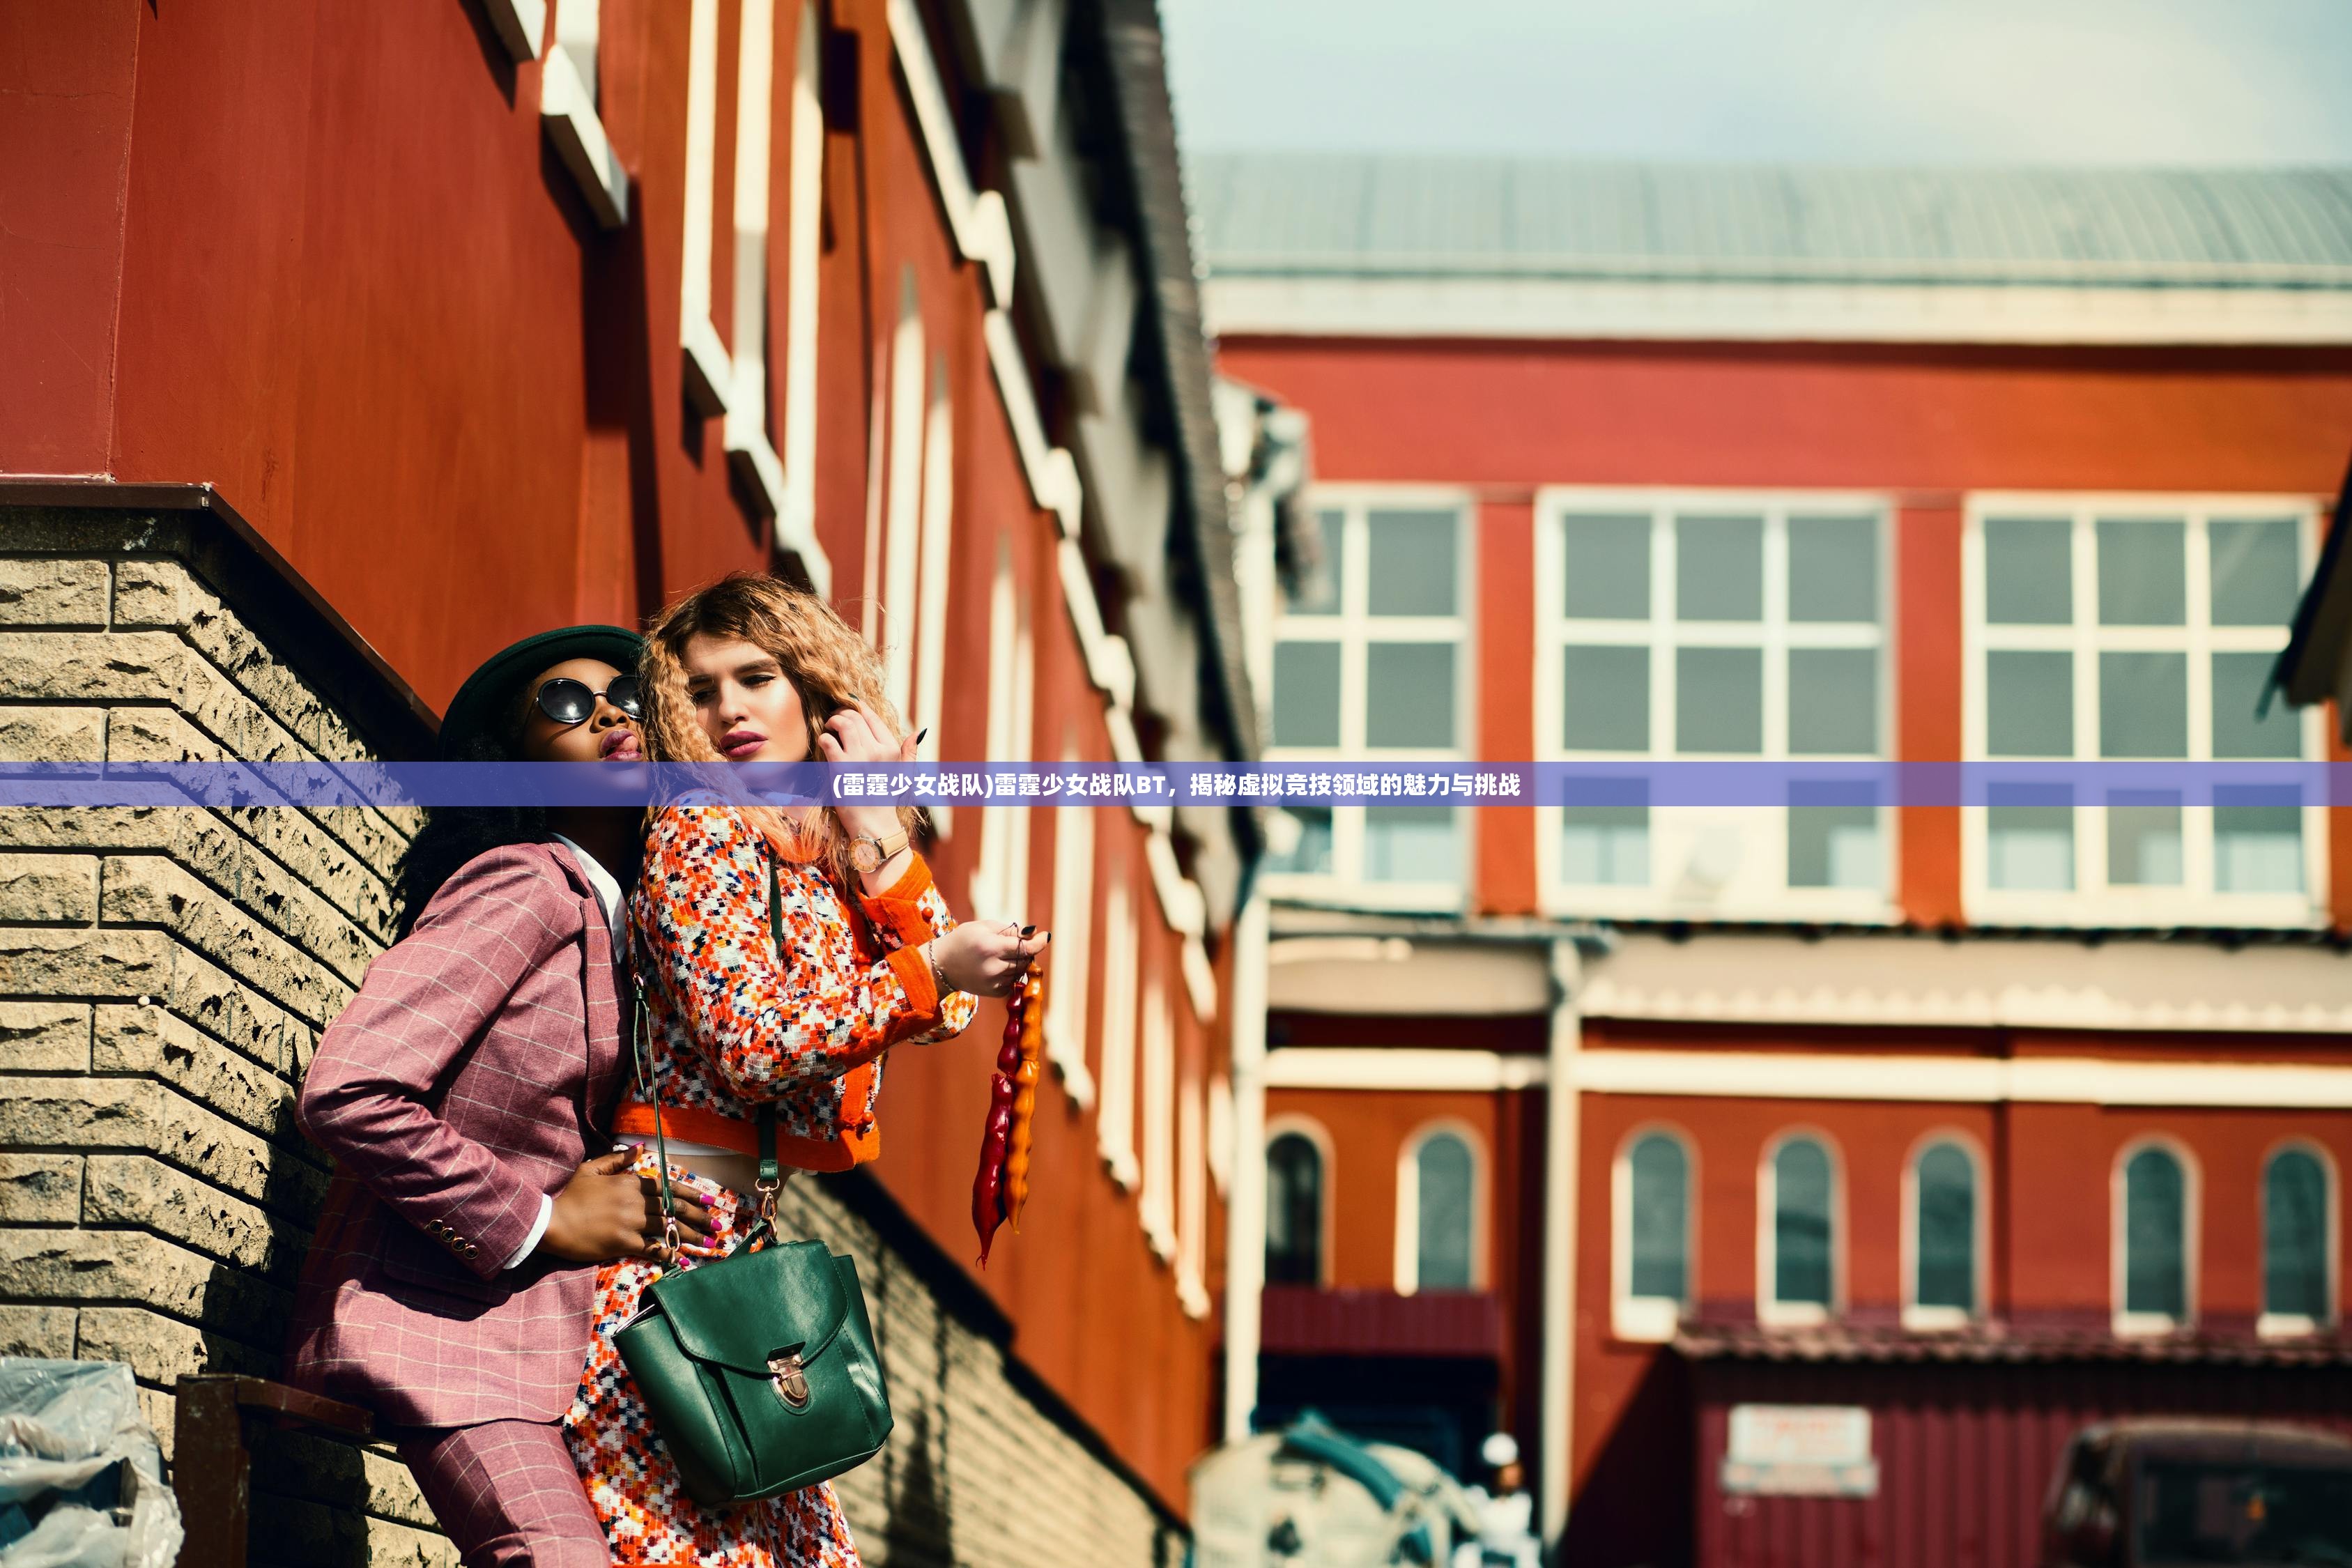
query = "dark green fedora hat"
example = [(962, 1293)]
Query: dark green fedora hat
[(483, 701)]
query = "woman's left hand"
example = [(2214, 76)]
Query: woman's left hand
[(853, 734), (857, 734)]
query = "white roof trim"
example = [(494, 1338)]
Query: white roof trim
[(1559, 308), (1910, 981), (1790, 1075)]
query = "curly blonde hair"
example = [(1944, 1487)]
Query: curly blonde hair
[(830, 667)]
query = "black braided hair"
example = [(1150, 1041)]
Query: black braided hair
[(453, 835)]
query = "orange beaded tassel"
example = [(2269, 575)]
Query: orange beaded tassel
[(1001, 1183)]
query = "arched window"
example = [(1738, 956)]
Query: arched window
[(1438, 1211), (1294, 1210), (1653, 1242), (1799, 1232), (1945, 1207), (2155, 1203), (2298, 1273)]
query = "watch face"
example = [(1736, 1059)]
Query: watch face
[(865, 854)]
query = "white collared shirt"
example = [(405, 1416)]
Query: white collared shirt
[(617, 920)]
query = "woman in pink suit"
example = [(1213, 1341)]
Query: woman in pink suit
[(466, 1096)]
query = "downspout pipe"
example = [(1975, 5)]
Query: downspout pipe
[(1560, 1153)]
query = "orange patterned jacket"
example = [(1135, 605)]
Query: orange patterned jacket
[(735, 1026)]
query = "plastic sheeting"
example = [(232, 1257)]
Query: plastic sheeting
[(81, 1475)]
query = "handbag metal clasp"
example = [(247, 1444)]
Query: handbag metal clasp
[(790, 1380)]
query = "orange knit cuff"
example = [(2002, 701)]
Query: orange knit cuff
[(913, 967), (899, 907)]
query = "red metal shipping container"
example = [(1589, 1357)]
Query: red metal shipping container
[(1965, 1436)]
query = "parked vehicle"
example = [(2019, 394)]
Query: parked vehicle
[(2172, 1493)]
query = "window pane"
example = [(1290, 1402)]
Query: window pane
[(1306, 694), (2143, 573), (1719, 568), (2239, 680), (1410, 556), (2029, 704), (1409, 694), (2155, 1208), (2256, 574), (1294, 1211), (1605, 833), (2029, 837), (2257, 839), (1442, 1175), (1833, 837), (1412, 844), (1608, 567), (1315, 588), (1946, 1220), (1659, 1174), (1833, 701), (1832, 569), (2144, 838), (1720, 699), (2143, 705), (1800, 1223), (2294, 1237), (2029, 572), (1607, 692), (1307, 829)]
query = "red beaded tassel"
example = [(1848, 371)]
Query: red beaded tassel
[(1001, 1183)]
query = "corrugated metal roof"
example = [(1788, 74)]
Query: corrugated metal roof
[(1304, 214), (1994, 1343)]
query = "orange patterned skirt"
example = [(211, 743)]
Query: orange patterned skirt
[(632, 1482)]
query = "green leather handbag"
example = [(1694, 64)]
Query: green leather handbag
[(759, 1368)]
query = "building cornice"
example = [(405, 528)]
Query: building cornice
[(1506, 305)]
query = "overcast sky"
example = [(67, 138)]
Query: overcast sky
[(1995, 82)]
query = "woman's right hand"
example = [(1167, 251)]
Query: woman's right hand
[(987, 958), (607, 1211)]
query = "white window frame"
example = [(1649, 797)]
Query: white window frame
[(1158, 1208), (2092, 901), (930, 625), (1072, 929), (1115, 1117), (1000, 873), (1316, 1133), (1921, 1319), (2288, 1325), (1408, 1204), (2141, 1325), (1353, 628), (1770, 1310), (1192, 1188), (1649, 1320), (1761, 830)]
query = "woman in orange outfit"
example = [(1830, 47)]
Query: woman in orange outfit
[(862, 956)]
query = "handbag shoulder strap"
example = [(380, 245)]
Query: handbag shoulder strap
[(771, 1176)]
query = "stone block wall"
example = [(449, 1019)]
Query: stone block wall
[(164, 976)]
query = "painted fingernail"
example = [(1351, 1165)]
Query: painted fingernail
[(921, 733), (1028, 931)]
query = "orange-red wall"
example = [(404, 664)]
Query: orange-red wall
[(2048, 1170), (1922, 424), (323, 258)]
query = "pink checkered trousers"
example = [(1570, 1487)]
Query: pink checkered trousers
[(471, 1074)]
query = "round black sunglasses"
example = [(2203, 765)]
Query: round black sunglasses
[(569, 701)]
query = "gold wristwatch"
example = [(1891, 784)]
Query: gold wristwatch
[(870, 853)]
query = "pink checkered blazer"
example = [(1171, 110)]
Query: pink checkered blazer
[(470, 1075)]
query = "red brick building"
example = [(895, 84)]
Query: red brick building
[(1601, 1118), (483, 316)]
